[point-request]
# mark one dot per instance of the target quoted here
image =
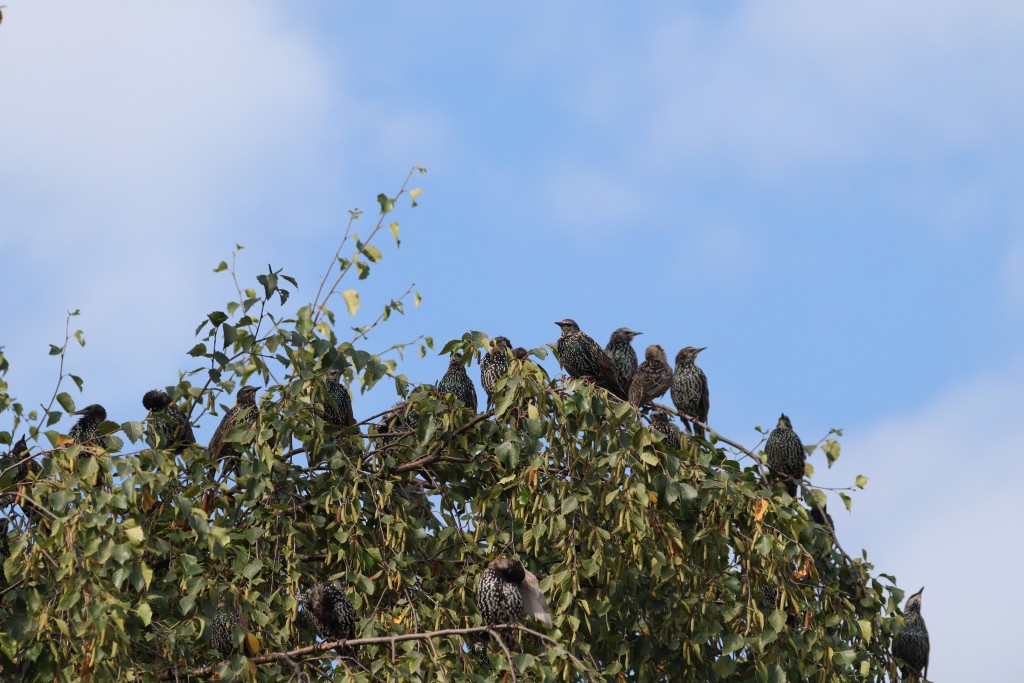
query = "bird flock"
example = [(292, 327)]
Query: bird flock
[(506, 590)]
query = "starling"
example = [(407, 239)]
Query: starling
[(19, 456), (243, 412), (620, 350), (690, 390), (338, 408), (519, 353), (457, 382), (401, 418), (506, 591), (494, 365), (582, 358), (84, 431), (820, 516), (786, 455), (331, 613), (169, 426), (660, 421), (911, 645), (652, 379)]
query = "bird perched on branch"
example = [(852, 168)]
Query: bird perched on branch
[(660, 421), (338, 403), (457, 383), (84, 431), (330, 612), (690, 389), (785, 455), (652, 379), (402, 417), (911, 645), (582, 358), (494, 365), (506, 592), (244, 412), (168, 425), (620, 350), (19, 457), (223, 637)]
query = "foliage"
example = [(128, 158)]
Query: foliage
[(655, 562)]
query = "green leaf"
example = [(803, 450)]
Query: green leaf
[(135, 534), (776, 674), (414, 194), (394, 232), (865, 629), (65, 402), (861, 481), (351, 297), (387, 205), (223, 265), (133, 430), (732, 643), (372, 253)]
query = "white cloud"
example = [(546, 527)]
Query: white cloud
[(941, 510)]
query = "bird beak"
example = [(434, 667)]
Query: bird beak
[(701, 349), (80, 412)]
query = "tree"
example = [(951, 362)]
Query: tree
[(657, 563)]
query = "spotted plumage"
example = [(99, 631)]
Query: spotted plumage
[(620, 350), (243, 412), (168, 425), (338, 402), (494, 365), (690, 390), (19, 456), (652, 379), (911, 645), (583, 358), (401, 418), (84, 431), (660, 422), (330, 612), (785, 455), (506, 592), (457, 383)]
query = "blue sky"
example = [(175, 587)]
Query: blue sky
[(824, 196)]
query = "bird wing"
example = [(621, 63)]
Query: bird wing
[(608, 376), (534, 603), (217, 440), (649, 382)]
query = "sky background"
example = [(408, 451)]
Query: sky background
[(827, 197)]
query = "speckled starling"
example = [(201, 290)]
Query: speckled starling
[(457, 383), (652, 379), (582, 358), (620, 350), (243, 412), (338, 404), (168, 425), (660, 421), (494, 365), (401, 418), (785, 455), (911, 645), (690, 390), (222, 636), (330, 611), (84, 431), (19, 456), (506, 592)]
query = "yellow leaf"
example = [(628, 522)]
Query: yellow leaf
[(135, 534), (398, 620), (652, 496), (760, 507), (251, 644), (351, 297), (64, 441)]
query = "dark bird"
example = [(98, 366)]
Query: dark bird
[(911, 644), (690, 390), (786, 455), (223, 637), (583, 359), (519, 353), (506, 592), (620, 350), (168, 424), (330, 612), (401, 418), (821, 516), (457, 383), (243, 412), (494, 365), (652, 379), (19, 457), (84, 431), (660, 421), (338, 406)]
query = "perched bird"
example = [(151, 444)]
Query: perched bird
[(582, 358), (19, 457), (84, 431), (821, 516), (786, 455), (222, 637), (243, 412), (330, 612), (652, 379), (168, 425), (660, 421), (911, 644), (506, 592), (690, 389), (494, 365), (620, 350), (519, 353), (401, 418), (457, 383), (338, 406)]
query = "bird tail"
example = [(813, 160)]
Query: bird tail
[(534, 603)]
